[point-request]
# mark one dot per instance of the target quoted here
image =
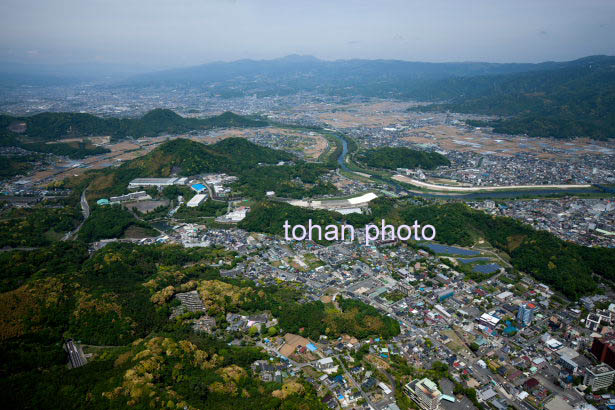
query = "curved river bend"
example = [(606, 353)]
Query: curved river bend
[(341, 160)]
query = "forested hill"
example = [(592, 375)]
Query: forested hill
[(189, 157), (258, 169), (52, 126), (401, 157), (568, 100)]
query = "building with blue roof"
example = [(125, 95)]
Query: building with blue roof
[(448, 398), (198, 187), (338, 379)]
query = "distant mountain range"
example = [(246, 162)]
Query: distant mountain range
[(560, 99), (277, 76), (295, 73)]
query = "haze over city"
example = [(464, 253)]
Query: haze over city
[(160, 34)]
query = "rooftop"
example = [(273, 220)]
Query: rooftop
[(600, 369), (428, 387)]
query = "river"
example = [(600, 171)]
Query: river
[(341, 160)]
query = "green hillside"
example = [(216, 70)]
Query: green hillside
[(73, 150), (36, 226), (189, 157), (255, 166), (401, 157), (18, 164), (50, 126), (568, 100), (106, 222)]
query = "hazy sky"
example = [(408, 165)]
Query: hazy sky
[(166, 33)]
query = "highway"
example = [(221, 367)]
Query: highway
[(75, 355), (85, 210), (85, 207)]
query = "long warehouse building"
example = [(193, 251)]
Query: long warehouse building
[(157, 182), (196, 200)]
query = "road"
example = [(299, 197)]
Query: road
[(85, 207), (571, 395), (434, 187), (313, 362), (75, 355), (358, 386), (505, 263), (85, 210)]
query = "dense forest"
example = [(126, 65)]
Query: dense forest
[(110, 221), (298, 180), (209, 208), (18, 164), (401, 157), (19, 266), (269, 217), (119, 300), (190, 373), (355, 318), (36, 226)]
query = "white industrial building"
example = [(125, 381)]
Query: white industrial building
[(346, 211), (157, 182), (196, 200), (326, 365), (238, 214), (133, 196), (221, 190)]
